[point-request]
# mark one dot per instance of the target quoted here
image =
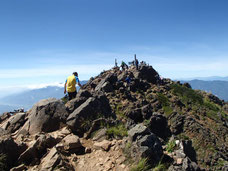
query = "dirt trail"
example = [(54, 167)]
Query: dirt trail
[(100, 159)]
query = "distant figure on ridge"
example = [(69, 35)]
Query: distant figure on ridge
[(124, 65), (70, 85), (136, 63)]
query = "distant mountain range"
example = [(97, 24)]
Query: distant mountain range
[(218, 88), (28, 98), (212, 78)]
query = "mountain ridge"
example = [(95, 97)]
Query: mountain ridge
[(158, 122)]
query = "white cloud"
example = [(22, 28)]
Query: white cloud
[(65, 70)]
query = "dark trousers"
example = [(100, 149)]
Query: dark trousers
[(72, 95)]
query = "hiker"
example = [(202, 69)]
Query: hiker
[(70, 85), (128, 79), (124, 65), (136, 63)]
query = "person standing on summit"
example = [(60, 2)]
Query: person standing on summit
[(70, 85)]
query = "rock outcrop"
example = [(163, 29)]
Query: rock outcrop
[(114, 124), (45, 116)]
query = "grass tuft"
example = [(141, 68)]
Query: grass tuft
[(141, 166)]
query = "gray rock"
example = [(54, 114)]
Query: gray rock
[(10, 149), (71, 143), (144, 144), (14, 122), (4, 116), (147, 73), (37, 149), (159, 126), (45, 116), (93, 108), (107, 87), (81, 97), (188, 165), (138, 130), (51, 160)]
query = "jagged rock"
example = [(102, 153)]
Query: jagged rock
[(135, 115), (144, 144), (215, 99), (187, 148), (147, 111), (187, 85), (3, 132), (4, 116), (106, 83), (122, 76), (147, 73), (176, 123), (188, 165), (138, 130), (45, 116), (81, 97), (51, 160), (97, 124), (95, 107), (37, 149), (14, 122), (159, 126), (10, 149), (21, 167), (104, 145), (100, 135), (71, 143), (60, 134)]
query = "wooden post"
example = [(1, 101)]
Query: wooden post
[(115, 62)]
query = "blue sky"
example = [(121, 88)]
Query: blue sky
[(44, 41)]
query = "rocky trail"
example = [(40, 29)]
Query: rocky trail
[(147, 123)]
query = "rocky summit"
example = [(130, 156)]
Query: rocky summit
[(121, 120)]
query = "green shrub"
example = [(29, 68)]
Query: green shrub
[(163, 99), (168, 110), (117, 131), (211, 106), (119, 110), (160, 167), (187, 94), (171, 146), (141, 166)]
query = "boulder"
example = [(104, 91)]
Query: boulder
[(147, 111), (4, 116), (188, 165), (14, 122), (45, 116), (81, 97), (36, 149), (106, 84), (145, 144), (10, 149), (50, 161), (93, 108), (72, 144), (135, 115), (147, 73), (159, 126), (104, 145), (60, 134), (176, 123)]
